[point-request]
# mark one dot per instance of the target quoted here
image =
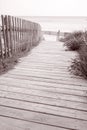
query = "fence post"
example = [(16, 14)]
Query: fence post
[(10, 34), (4, 36), (1, 47), (7, 35), (20, 33), (14, 34)]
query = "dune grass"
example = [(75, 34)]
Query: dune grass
[(74, 41), (78, 41), (79, 64)]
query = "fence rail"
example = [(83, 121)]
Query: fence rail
[(17, 35)]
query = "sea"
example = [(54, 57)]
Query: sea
[(62, 23)]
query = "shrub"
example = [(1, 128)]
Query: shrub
[(7, 64), (79, 64), (74, 40)]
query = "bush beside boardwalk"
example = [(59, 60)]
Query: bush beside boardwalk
[(77, 41), (79, 64), (74, 40)]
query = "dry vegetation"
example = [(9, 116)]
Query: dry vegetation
[(79, 64), (77, 41), (8, 63), (74, 41)]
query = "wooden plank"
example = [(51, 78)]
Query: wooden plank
[(41, 84), (44, 100), (42, 74), (45, 79), (7, 123), (54, 73), (46, 94), (53, 89), (43, 108), (46, 66), (67, 123)]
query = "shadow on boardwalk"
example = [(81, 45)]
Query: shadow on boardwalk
[(40, 94)]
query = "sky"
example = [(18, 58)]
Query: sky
[(44, 7)]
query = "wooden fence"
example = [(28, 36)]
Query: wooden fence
[(17, 35)]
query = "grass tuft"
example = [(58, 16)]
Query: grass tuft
[(74, 41), (79, 64)]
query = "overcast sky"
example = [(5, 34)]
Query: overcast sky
[(44, 7)]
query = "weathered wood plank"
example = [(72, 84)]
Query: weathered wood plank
[(47, 74), (44, 100), (38, 117), (11, 124), (44, 93), (47, 88), (46, 79), (54, 73), (42, 108)]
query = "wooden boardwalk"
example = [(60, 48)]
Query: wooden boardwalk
[(40, 93)]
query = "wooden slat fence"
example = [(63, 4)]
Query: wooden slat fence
[(17, 35)]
